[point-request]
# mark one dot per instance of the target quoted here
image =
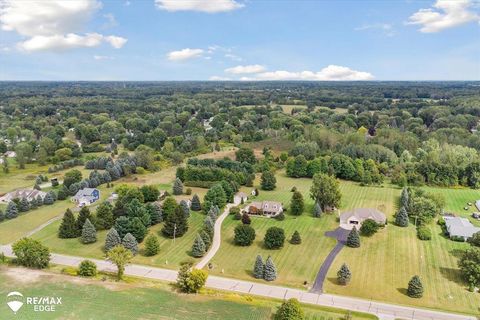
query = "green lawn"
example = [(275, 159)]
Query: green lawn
[(93, 299)]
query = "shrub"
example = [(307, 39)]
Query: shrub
[(424, 233), (296, 239), (274, 238), (188, 191), (280, 216), (87, 268), (244, 235), (152, 246), (31, 253), (246, 218), (196, 205), (177, 187), (290, 310), (415, 287), (344, 275), (238, 216), (234, 210), (369, 227), (191, 281)]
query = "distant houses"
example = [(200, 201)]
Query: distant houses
[(357, 216), (86, 196), (265, 208), (240, 198), (459, 228), (28, 194)]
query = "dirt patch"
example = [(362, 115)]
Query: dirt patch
[(24, 275)]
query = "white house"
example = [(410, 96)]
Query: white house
[(357, 216), (460, 228), (86, 196), (266, 208), (28, 194)]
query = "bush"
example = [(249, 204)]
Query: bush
[(424, 233), (244, 235), (369, 227), (234, 210), (296, 239), (191, 281), (344, 275), (87, 268), (188, 191), (280, 216), (31, 253), (152, 246), (246, 218), (238, 216), (290, 310), (274, 238), (415, 287), (353, 239)]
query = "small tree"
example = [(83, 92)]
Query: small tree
[(290, 310), (177, 187), (176, 224), (31, 253), (317, 210), (119, 256), (475, 239), (196, 205), (246, 218), (2, 216), (89, 234), (67, 227), (369, 227), (344, 275), (297, 205), (401, 218), (87, 268), (104, 216), (130, 243), (244, 235), (155, 212), (274, 238), (48, 199), (206, 239), (152, 246), (83, 215), (270, 271), (404, 198), (198, 247), (415, 287), (353, 239), (268, 180), (23, 205), (112, 239), (186, 210), (209, 227), (12, 211), (191, 281), (258, 268), (137, 229), (296, 239), (168, 207)]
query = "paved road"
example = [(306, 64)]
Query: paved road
[(341, 236), (382, 310), (216, 238)]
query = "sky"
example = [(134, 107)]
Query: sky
[(239, 40)]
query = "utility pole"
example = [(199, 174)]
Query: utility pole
[(174, 232)]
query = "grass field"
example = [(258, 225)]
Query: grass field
[(92, 299)]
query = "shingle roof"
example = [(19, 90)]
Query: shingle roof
[(460, 227), (363, 214)]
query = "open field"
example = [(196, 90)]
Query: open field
[(137, 299)]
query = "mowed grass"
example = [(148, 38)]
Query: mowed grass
[(170, 256), (91, 299)]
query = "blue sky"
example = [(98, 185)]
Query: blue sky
[(239, 40)]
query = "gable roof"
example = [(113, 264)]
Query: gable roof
[(85, 192), (460, 227), (363, 214), (268, 206)]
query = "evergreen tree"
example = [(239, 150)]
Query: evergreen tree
[(415, 287), (152, 246), (62, 195), (186, 210), (137, 229), (68, 227), (32, 204), (196, 205), (23, 205), (404, 198), (209, 226), (122, 225), (291, 310), (130, 243), (270, 271), (317, 210), (353, 239), (48, 199), (155, 211), (176, 224), (268, 180), (246, 218), (215, 196), (344, 275), (104, 216), (198, 247), (401, 219), (258, 268), (212, 213), (39, 201), (297, 205), (83, 215), (146, 219), (206, 239), (112, 239), (177, 187), (89, 234), (2, 216), (12, 211), (135, 209), (168, 207), (296, 239)]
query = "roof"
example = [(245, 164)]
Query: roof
[(460, 227), (269, 206), (85, 192), (364, 214), (241, 194), (24, 193)]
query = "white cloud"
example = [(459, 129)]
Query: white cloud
[(53, 24), (97, 57), (445, 14), (233, 57), (386, 28), (329, 73), (254, 68), (111, 21), (218, 78), (184, 54), (208, 6)]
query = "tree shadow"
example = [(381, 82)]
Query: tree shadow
[(457, 253), (453, 275), (402, 291), (333, 280)]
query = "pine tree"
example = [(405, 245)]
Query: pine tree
[(198, 247), (344, 275), (258, 268), (67, 228), (297, 205), (206, 239), (404, 198), (317, 210), (401, 219), (156, 214), (152, 246), (112, 239), (48, 199), (209, 227), (104, 216), (137, 229), (83, 215), (12, 211), (130, 243), (146, 219), (2, 216), (270, 271), (353, 239), (177, 187), (415, 287), (212, 213), (23, 205), (122, 225), (176, 224), (296, 239), (39, 201), (196, 205), (32, 204), (89, 234), (186, 210)]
